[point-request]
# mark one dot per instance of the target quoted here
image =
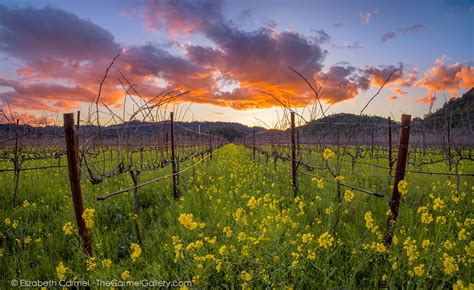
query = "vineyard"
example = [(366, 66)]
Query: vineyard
[(366, 206)]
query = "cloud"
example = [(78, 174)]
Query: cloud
[(350, 44), (388, 35), (236, 69), (338, 86), (32, 33), (413, 28), (43, 96), (448, 78), (320, 36), (392, 34), (367, 16), (181, 16)]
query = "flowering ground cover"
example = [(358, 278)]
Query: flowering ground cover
[(238, 224)]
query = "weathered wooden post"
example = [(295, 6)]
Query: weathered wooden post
[(173, 160), (449, 144), (390, 163), (16, 164), (136, 205), (74, 180), (253, 145), (399, 176), (294, 176), (210, 145)]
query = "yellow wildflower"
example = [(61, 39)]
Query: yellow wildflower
[(252, 203), (88, 216), (223, 250), (136, 251), (61, 271), (449, 245), (462, 235), (380, 248), (402, 187), (238, 214), (441, 220), (426, 218), (339, 178), (325, 240), (328, 154), (26, 204), (246, 276), (187, 221), (348, 195), (245, 251), (450, 265), (68, 228), (1, 252), (242, 236), (91, 264), (311, 255), (8, 221), (470, 248), (228, 232), (411, 249), (307, 238), (106, 263), (125, 275), (419, 270), (319, 182), (425, 243), (27, 240), (438, 204)]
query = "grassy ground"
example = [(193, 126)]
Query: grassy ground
[(238, 224)]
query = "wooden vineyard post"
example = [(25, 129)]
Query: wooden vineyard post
[(136, 205), (75, 182), (78, 121), (372, 145), (399, 176), (210, 145), (253, 145), (449, 144), (173, 160), (16, 165), (294, 176), (390, 163), (298, 145)]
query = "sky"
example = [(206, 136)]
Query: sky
[(232, 58)]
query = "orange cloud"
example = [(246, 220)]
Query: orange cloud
[(442, 77)]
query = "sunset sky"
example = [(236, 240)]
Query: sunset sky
[(53, 54)]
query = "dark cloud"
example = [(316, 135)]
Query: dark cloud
[(32, 33), (320, 36), (182, 16), (388, 35), (392, 34), (412, 28)]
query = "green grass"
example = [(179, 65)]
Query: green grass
[(278, 245)]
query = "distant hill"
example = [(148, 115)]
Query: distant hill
[(342, 121), (460, 111), (228, 130)]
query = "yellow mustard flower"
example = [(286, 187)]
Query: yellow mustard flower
[(61, 271), (68, 228), (136, 251), (325, 240), (88, 216)]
